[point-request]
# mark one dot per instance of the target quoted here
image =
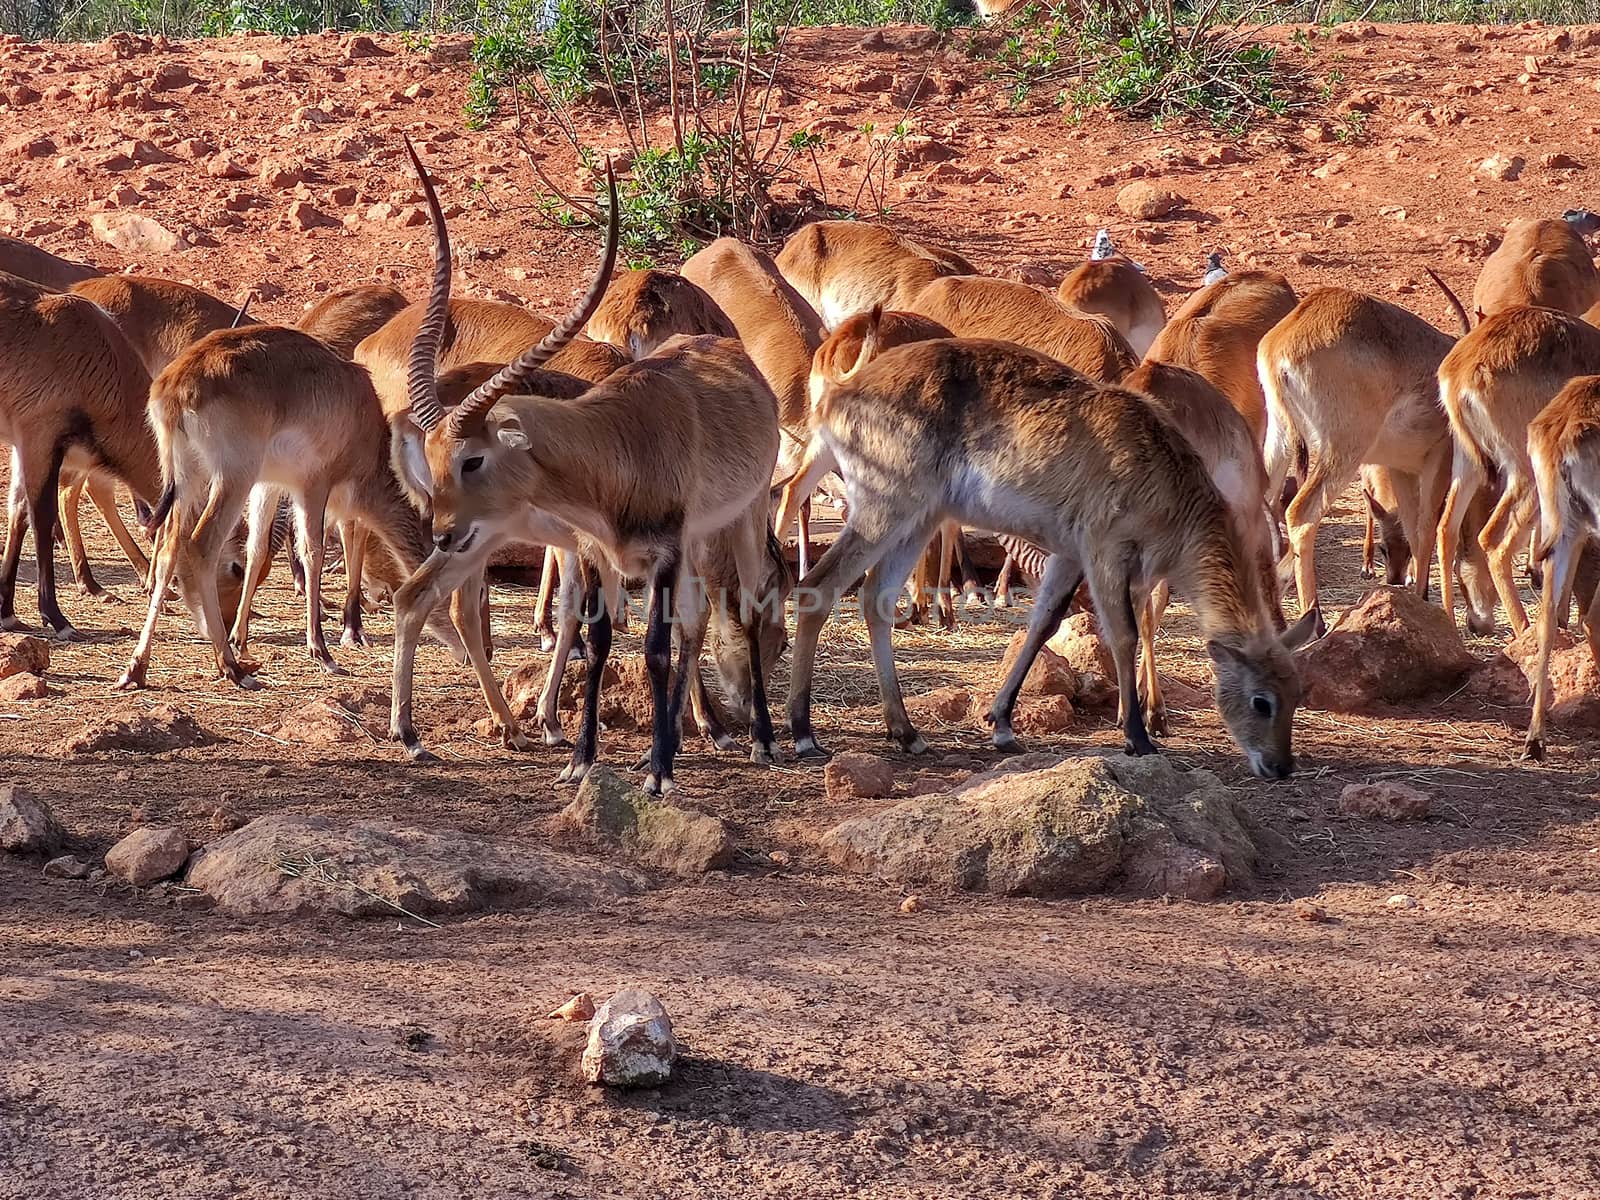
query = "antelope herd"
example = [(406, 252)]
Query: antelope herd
[(674, 426)]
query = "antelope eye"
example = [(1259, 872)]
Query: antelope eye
[(471, 464), (1262, 705)]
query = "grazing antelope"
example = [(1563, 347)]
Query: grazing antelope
[(1545, 263), (781, 333), (1564, 451), (343, 319), (974, 306), (638, 472), (27, 261), (1217, 331), (1383, 528), (1353, 380), (161, 319), (1492, 384), (644, 308), (847, 267), (1115, 289), (1004, 438)]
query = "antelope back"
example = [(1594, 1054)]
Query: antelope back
[(1540, 262), (848, 267), (1117, 290), (344, 318), (159, 318), (27, 261), (974, 306), (860, 339), (642, 309)]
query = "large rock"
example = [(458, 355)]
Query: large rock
[(1050, 675), (135, 234), (27, 826), (1042, 826), (23, 655), (858, 777), (1384, 801), (630, 1042), (1392, 647), (165, 727), (291, 863), (1146, 201), (1507, 679), (1079, 644), (610, 812), (146, 855)]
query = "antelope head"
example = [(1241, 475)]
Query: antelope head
[(469, 461), (1258, 690)]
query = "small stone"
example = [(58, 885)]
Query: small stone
[(23, 687), (1502, 167), (1384, 802), (910, 905), (225, 166), (858, 777), (359, 45), (579, 1008), (1035, 716), (21, 95), (305, 217), (343, 196), (630, 1042), (1050, 674), (781, 858), (1400, 901), (21, 654), (1561, 162), (66, 867), (29, 145), (280, 176), (1310, 910), (1145, 201), (946, 705), (147, 855), (27, 826), (135, 234)]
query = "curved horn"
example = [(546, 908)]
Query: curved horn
[(422, 374), (1455, 301), (515, 374), (244, 309)]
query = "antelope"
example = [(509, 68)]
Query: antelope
[(1564, 452), (27, 261), (642, 309), (1217, 331), (846, 267), (973, 306), (345, 318), (1005, 438), (1383, 528), (1217, 433), (637, 472), (159, 318), (1353, 380), (1115, 289), (1492, 384), (1544, 263), (781, 333)]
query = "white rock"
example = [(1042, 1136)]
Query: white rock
[(630, 1042), (1401, 900)]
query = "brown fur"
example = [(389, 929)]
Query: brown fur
[(27, 261), (1541, 262), (344, 318), (1383, 528), (1217, 332), (642, 309), (1004, 438), (973, 306), (1492, 385), (160, 319), (1117, 290), (846, 267)]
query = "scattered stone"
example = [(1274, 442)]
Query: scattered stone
[(22, 687), (1401, 901), (1507, 680), (359, 45), (579, 1008), (147, 855), (874, 41), (858, 777), (135, 234), (305, 216), (1392, 647), (1502, 167), (1079, 644), (1145, 201), (1561, 162), (609, 811), (1036, 716), (1384, 802), (322, 722), (1050, 675), (279, 175), (630, 1042), (374, 866), (169, 77), (910, 905), (21, 654), (27, 826), (28, 145), (1310, 910), (226, 166), (22, 95), (1044, 826), (66, 867), (165, 727), (946, 705)]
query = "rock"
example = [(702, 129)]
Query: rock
[(359, 45), (1507, 679), (279, 175), (27, 826), (946, 706), (1035, 716), (22, 687), (23, 655), (1145, 201), (226, 166), (135, 234), (1560, 161), (1050, 675), (1400, 901), (319, 723), (579, 1008), (1044, 826), (1384, 802), (169, 77), (1390, 648), (147, 855), (22, 95), (165, 727), (368, 867), (305, 216), (1310, 910), (146, 154), (1502, 167), (66, 867), (630, 1042), (911, 905), (608, 811), (28, 145), (1079, 644), (858, 777)]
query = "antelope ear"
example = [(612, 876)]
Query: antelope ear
[(1224, 655), (511, 434), (1307, 629), (414, 460)]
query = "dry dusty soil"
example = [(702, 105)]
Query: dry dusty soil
[(834, 1047)]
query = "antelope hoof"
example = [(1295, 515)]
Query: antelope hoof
[(1139, 748), (1157, 722), (325, 661), (552, 735), (719, 738), (13, 625), (762, 755), (1368, 573), (807, 747), (547, 641), (68, 634), (418, 753), (1482, 626), (1002, 599), (354, 639), (133, 679), (513, 739), (659, 787), (573, 772), (910, 741), (1533, 750)]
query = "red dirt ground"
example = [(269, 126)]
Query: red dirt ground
[(835, 1047)]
